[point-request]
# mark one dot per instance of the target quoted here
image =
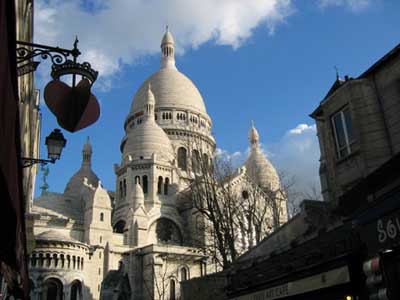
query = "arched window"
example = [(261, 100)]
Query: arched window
[(184, 275), (119, 226), (137, 179), (159, 185), (205, 162), (101, 217), (195, 161), (40, 264), (52, 289), (48, 260), (55, 260), (76, 290), (33, 260), (182, 158), (121, 192), (168, 232), (62, 261), (144, 184), (124, 187), (166, 184), (172, 290), (135, 234)]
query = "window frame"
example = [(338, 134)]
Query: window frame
[(348, 143)]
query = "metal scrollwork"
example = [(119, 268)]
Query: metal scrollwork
[(58, 56), (64, 61)]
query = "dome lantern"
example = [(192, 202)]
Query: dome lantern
[(167, 51), (253, 135)]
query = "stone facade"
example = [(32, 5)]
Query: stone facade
[(30, 116), (358, 125), (140, 241)]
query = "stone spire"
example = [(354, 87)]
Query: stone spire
[(137, 196), (149, 103), (253, 136), (87, 153), (168, 51)]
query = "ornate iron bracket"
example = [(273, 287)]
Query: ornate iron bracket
[(27, 51), (28, 162)]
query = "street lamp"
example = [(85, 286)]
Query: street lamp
[(55, 142)]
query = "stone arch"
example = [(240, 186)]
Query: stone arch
[(76, 290), (166, 185), (144, 184), (166, 231), (159, 185), (182, 158), (52, 289), (172, 289), (195, 161), (184, 273), (119, 226)]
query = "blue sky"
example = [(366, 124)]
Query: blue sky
[(270, 61)]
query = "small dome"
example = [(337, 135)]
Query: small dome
[(258, 167), (75, 184), (55, 235), (261, 170), (172, 89), (147, 138)]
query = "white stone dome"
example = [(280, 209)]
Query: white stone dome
[(75, 183), (147, 138), (55, 235), (172, 89), (258, 167)]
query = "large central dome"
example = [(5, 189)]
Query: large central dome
[(171, 89)]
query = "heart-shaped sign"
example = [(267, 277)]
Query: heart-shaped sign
[(75, 108)]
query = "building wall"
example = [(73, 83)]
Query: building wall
[(373, 100), (30, 117)]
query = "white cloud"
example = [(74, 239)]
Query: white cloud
[(302, 128), (354, 5), (113, 33)]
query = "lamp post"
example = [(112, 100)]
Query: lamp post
[(55, 142)]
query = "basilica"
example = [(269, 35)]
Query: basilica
[(139, 241)]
